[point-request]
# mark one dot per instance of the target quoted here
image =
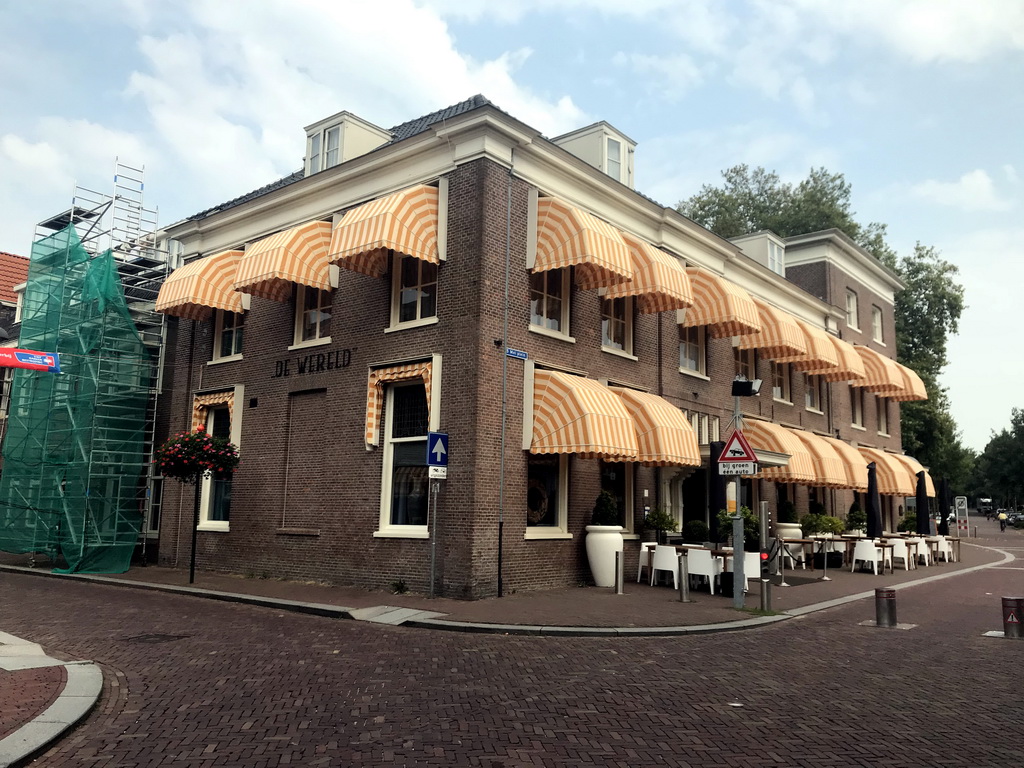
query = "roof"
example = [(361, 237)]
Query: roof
[(399, 133), (13, 271)]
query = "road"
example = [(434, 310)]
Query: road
[(200, 684)]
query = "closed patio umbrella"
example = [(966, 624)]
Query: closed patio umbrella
[(923, 516), (716, 491), (874, 504), (945, 503)]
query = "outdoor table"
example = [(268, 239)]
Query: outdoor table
[(956, 547), (846, 541), (884, 546)]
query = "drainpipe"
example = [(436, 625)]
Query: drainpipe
[(504, 380)]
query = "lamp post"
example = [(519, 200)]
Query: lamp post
[(741, 387)]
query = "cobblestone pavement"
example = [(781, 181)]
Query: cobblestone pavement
[(197, 683)]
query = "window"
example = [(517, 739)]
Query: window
[(882, 408), (613, 166), (812, 392), (216, 491), (405, 484), (156, 495), (617, 324), (549, 308), (5, 392), (745, 363), (692, 349), (227, 341), (546, 494), (617, 479), (312, 314), (324, 149), (706, 428), (876, 325), (851, 310), (776, 258), (780, 381), (415, 290), (857, 407)]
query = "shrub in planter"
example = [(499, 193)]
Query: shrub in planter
[(658, 519), (908, 523), (751, 528), (606, 510), (696, 531), (856, 518), (787, 511), (604, 539)]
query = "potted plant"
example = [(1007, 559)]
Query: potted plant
[(695, 532), (856, 519), (786, 525), (659, 521), (751, 528), (604, 539)]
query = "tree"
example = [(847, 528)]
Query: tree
[(1000, 467), (927, 310)]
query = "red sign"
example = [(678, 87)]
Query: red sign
[(26, 358), (737, 449)]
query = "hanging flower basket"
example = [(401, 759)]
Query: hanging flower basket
[(188, 456)]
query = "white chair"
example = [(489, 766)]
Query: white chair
[(944, 549), (866, 552), (665, 559), (700, 562), (900, 552), (924, 551), (751, 567), (794, 553), (645, 558)]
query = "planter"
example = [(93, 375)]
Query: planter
[(603, 541), (788, 530)]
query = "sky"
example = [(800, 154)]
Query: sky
[(917, 102)]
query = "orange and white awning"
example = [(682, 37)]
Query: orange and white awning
[(894, 478), (664, 435), (572, 414), (194, 290), (914, 466), (828, 467), (853, 463), (850, 367), (298, 256), (821, 354), (724, 307), (767, 436), (913, 387), (659, 281), (883, 374), (375, 391), (780, 336), (404, 222), (570, 237)]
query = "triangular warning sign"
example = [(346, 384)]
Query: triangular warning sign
[(737, 449), (1012, 618)]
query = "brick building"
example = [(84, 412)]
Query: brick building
[(327, 321)]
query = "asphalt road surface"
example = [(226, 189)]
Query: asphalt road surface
[(198, 683)]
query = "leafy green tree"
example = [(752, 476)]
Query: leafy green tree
[(1000, 468)]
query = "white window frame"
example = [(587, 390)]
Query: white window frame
[(6, 383), (745, 363), (882, 411), (776, 258), (561, 529), (877, 332), (316, 162), (701, 347), (206, 487), (218, 329), (856, 407), (563, 331), (396, 294), (19, 291), (781, 372), (385, 527), (813, 386), (852, 310), (300, 315), (626, 320), (610, 160)]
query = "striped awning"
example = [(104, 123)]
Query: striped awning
[(404, 222), (821, 354), (664, 435), (853, 464), (570, 237), (572, 414), (192, 291), (883, 374), (914, 466), (375, 391), (913, 387), (201, 405), (780, 336), (767, 436), (850, 368), (659, 281), (828, 467), (724, 307), (298, 256), (894, 478)]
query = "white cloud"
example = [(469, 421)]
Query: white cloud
[(974, 191), (669, 77)]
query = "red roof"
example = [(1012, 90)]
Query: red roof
[(13, 271)]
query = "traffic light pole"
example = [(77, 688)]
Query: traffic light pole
[(738, 582), (766, 563)]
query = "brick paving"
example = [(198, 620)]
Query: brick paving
[(199, 683), (26, 693)]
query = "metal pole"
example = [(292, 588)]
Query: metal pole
[(824, 560), (619, 576), (738, 581), (504, 386), (432, 515), (885, 607), (684, 578), (195, 531)]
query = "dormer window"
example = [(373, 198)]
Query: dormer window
[(776, 258), (324, 149), (613, 158)]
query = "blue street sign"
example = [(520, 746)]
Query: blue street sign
[(518, 354), (437, 449)]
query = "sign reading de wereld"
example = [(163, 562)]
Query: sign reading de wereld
[(318, 362)]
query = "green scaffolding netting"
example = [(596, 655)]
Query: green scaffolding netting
[(74, 470)]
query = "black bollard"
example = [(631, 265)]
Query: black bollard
[(885, 607), (1012, 607)]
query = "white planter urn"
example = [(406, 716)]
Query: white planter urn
[(788, 530), (603, 541)]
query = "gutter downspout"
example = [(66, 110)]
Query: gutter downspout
[(504, 379)]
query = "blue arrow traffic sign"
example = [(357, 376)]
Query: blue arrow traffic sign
[(437, 449)]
